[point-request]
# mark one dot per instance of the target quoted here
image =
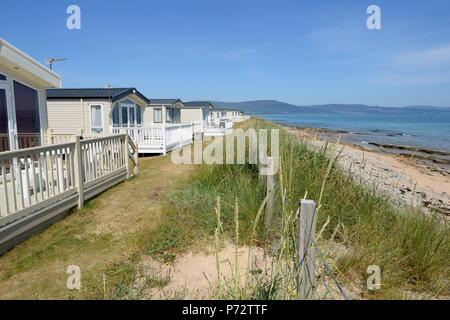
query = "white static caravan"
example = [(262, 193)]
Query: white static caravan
[(164, 117), (227, 114), (23, 108), (210, 121), (163, 111), (201, 114), (233, 114), (93, 111), (196, 111), (219, 114)]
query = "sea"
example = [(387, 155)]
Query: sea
[(424, 130)]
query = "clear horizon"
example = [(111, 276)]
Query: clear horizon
[(301, 53), (343, 104)]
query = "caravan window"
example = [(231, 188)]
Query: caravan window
[(138, 115), (173, 115), (157, 115), (169, 115), (27, 109), (96, 119), (126, 114), (176, 115)]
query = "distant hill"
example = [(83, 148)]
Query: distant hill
[(265, 106), (277, 107)]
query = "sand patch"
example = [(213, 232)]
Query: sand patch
[(194, 275)]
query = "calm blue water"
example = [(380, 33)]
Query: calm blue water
[(424, 130)]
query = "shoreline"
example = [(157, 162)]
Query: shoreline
[(391, 138), (408, 176), (433, 159)]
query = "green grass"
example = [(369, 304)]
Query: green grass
[(413, 250), (58, 244), (189, 216), (124, 281), (108, 236)]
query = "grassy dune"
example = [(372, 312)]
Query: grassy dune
[(411, 249)]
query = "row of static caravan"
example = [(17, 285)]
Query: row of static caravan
[(93, 111), (155, 125), (99, 110)]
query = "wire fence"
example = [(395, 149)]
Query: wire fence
[(317, 280), (315, 272)]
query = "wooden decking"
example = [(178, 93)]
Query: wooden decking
[(37, 185), (105, 233), (159, 138)]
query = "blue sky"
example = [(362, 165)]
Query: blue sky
[(301, 52)]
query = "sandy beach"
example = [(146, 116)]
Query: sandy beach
[(422, 181)]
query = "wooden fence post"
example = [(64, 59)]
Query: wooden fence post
[(269, 192), (306, 249), (60, 171), (126, 151), (79, 171), (181, 136), (163, 126), (136, 164)]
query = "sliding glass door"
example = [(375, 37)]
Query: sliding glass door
[(173, 115), (26, 102), (4, 136), (20, 125), (128, 115)]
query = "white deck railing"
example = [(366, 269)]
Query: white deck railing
[(197, 127), (43, 181), (241, 118), (217, 127), (218, 124), (159, 138)]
